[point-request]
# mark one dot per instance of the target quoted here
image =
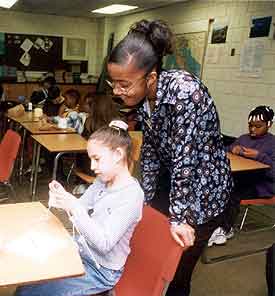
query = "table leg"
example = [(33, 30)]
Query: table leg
[(33, 166), (22, 156), (56, 164)]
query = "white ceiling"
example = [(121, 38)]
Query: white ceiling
[(82, 8)]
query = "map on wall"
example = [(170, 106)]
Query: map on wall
[(189, 53)]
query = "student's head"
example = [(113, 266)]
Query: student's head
[(134, 64), (109, 149), (102, 111), (49, 82), (72, 97), (54, 94), (260, 120), (86, 103)]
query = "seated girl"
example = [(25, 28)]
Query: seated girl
[(71, 102), (259, 145), (104, 217)]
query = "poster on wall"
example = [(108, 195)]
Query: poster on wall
[(260, 26), (251, 58), (188, 53), (219, 32)]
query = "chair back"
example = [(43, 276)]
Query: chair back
[(137, 143), (9, 147), (153, 260)]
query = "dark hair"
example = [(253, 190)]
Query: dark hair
[(53, 92), (73, 93), (113, 138), (102, 111), (50, 79), (264, 113), (147, 42)]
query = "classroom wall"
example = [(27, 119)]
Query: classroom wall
[(27, 23), (235, 94)]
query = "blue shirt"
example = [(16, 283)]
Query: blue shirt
[(183, 135)]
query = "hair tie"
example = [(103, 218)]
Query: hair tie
[(119, 124)]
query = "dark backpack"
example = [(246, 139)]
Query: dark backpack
[(270, 270)]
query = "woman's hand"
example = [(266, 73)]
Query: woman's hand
[(60, 198), (250, 153), (183, 234)]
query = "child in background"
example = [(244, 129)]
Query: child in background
[(104, 217), (259, 145), (53, 102), (102, 111), (41, 95), (74, 114), (71, 102)]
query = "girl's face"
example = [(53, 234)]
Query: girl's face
[(103, 161), (70, 101), (129, 83), (257, 128)]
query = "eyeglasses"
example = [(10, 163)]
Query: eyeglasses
[(124, 90)]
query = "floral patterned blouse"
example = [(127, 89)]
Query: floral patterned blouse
[(183, 134)]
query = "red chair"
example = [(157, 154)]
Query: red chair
[(153, 260), (9, 148), (255, 202)]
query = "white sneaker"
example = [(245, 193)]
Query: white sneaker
[(230, 233), (220, 237)]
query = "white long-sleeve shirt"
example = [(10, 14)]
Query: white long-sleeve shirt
[(107, 218)]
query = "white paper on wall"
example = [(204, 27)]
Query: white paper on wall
[(25, 59), (251, 58), (26, 45)]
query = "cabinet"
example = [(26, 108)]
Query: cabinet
[(14, 90)]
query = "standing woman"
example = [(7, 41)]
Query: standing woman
[(181, 134)]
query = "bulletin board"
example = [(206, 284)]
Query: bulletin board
[(33, 52)]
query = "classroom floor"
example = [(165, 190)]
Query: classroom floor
[(243, 276)]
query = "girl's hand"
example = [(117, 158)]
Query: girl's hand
[(60, 198), (250, 153), (238, 149), (183, 234)]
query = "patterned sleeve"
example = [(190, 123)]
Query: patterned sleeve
[(189, 120), (150, 165)]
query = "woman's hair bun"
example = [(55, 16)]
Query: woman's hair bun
[(157, 32)]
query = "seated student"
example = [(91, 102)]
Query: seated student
[(259, 145), (39, 96), (101, 111), (103, 235), (71, 102), (73, 117), (53, 102)]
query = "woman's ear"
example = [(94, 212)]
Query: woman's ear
[(269, 124), (152, 78)]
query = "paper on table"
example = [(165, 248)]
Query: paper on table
[(36, 245)]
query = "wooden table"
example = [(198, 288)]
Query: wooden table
[(34, 128), (26, 117), (240, 164), (59, 143), (34, 246)]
